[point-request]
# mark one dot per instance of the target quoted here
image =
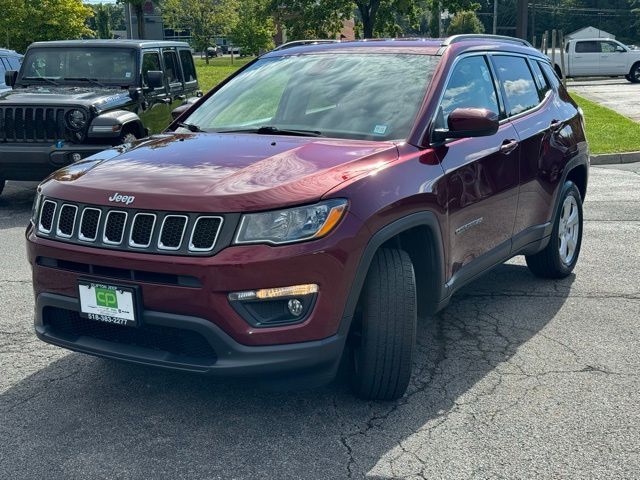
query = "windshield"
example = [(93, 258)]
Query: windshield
[(359, 96), (81, 64)]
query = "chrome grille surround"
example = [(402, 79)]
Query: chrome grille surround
[(115, 228)]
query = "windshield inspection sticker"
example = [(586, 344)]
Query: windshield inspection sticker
[(380, 129), (127, 75)]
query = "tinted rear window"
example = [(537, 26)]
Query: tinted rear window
[(517, 83)]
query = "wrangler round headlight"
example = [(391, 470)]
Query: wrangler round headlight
[(76, 119), (292, 224)]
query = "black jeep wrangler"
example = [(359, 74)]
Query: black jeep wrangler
[(72, 99)]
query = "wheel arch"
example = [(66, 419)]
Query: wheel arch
[(410, 234), (578, 175)]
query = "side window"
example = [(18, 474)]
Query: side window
[(150, 63), (3, 68), (470, 86), (171, 68), (14, 63), (608, 47), (550, 75), (517, 83), (587, 47), (541, 81), (187, 66)]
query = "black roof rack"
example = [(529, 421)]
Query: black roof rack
[(496, 38)]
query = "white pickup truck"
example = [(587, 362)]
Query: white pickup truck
[(597, 57)]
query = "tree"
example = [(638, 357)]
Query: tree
[(26, 21), (138, 10), (465, 21), (255, 28), (103, 22), (206, 19), (311, 19)]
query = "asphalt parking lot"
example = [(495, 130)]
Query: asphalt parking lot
[(517, 378), (615, 93)]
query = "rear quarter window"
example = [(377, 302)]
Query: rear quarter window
[(517, 83), (188, 68)]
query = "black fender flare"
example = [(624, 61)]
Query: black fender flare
[(110, 124), (426, 219)]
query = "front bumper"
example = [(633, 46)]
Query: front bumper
[(31, 162), (224, 358)]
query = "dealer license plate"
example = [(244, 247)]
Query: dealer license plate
[(108, 303)]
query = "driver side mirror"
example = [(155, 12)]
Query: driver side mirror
[(155, 79), (468, 122), (10, 77), (620, 49)]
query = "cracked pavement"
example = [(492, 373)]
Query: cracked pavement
[(517, 378)]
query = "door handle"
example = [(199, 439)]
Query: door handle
[(508, 146)]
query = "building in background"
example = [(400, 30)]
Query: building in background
[(589, 32), (153, 24)]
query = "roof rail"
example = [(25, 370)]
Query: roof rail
[(300, 43), (472, 36)]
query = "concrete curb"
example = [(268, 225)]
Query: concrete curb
[(613, 158)]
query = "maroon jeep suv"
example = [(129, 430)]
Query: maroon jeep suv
[(310, 207)]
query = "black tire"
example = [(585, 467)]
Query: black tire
[(3, 182), (634, 73), (549, 262), (385, 330)]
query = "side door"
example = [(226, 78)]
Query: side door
[(481, 174), (188, 72), (613, 58), (531, 107), (155, 110), (586, 58)]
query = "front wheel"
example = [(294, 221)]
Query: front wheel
[(634, 74), (559, 257), (384, 334)]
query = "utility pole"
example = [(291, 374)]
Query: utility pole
[(495, 16), (522, 19)]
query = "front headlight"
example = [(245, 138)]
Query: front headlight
[(35, 210), (76, 119), (291, 225)]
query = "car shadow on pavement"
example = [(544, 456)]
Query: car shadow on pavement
[(16, 201), (82, 417)]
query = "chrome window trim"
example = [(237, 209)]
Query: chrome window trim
[(133, 224), (80, 235), (215, 239), (73, 227), (105, 240), (184, 229), (55, 208)]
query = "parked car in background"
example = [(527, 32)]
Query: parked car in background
[(71, 99), (304, 211), (598, 57), (9, 60)]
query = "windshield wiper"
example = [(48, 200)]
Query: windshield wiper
[(85, 79), (190, 127), (49, 80), (271, 130)]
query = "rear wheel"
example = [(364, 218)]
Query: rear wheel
[(559, 257), (384, 333), (634, 73)]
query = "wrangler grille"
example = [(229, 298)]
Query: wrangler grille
[(33, 124), (133, 230)]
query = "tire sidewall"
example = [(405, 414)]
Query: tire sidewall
[(569, 189)]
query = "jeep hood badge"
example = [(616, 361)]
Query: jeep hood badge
[(126, 199)]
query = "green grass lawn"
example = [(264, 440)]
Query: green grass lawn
[(217, 70), (608, 131)]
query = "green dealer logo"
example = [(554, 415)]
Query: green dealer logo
[(106, 298)]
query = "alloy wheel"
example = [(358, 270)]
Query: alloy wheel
[(568, 230)]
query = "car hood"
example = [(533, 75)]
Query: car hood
[(209, 172), (50, 95)]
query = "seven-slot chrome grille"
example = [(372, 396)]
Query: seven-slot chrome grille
[(129, 229)]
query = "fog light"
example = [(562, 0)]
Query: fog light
[(295, 307), (76, 157)]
